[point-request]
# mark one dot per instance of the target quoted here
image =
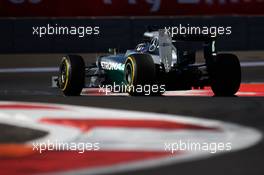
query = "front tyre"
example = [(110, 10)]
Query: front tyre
[(140, 75), (225, 75), (71, 75)]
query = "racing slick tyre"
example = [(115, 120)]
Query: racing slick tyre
[(140, 75), (71, 75), (225, 75)]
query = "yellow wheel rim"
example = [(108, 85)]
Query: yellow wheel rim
[(133, 70), (67, 73)]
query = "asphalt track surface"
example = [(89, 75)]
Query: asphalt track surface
[(248, 111)]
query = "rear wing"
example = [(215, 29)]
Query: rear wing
[(166, 46), (208, 42), (205, 38)]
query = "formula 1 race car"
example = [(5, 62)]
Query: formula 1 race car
[(161, 63)]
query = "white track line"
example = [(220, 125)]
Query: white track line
[(145, 139), (252, 64), (56, 69), (29, 70)]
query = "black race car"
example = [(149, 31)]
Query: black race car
[(161, 63)]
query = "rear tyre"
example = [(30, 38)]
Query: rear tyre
[(140, 74), (225, 75), (71, 75)]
